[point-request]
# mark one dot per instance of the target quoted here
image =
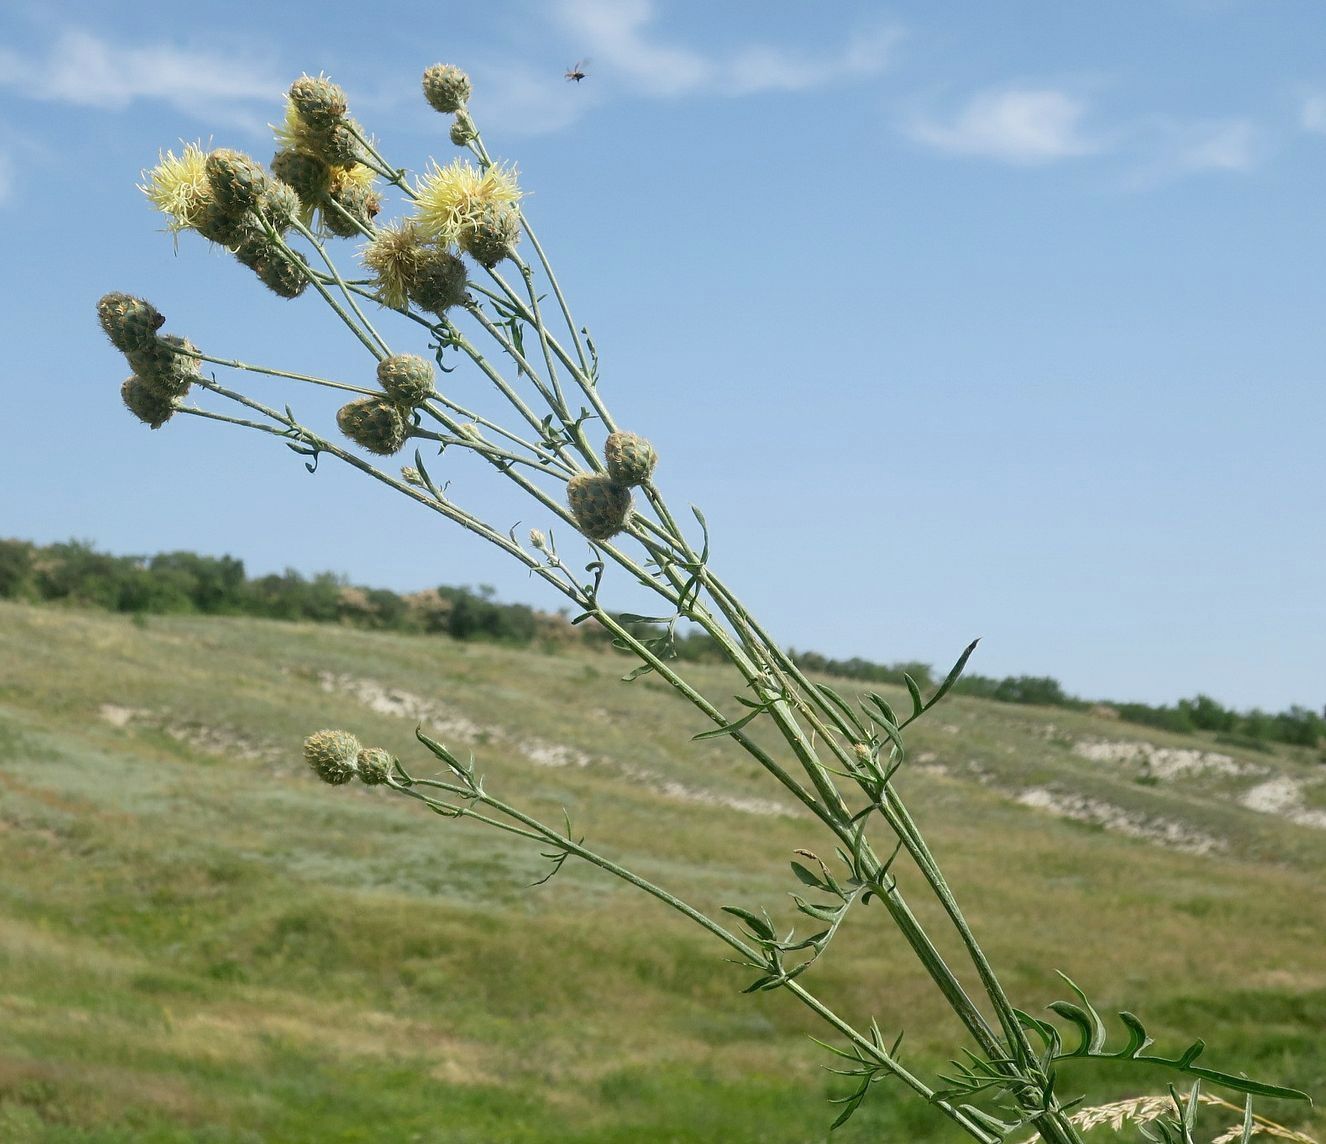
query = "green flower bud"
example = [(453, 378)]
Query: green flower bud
[(490, 236), (375, 766), (319, 102), (164, 368), (130, 323), (146, 402), (439, 281), (600, 505), (406, 379), (462, 129), (446, 88), (340, 146), (309, 175), (274, 266), (236, 180), (333, 755), (360, 203), (630, 459), (279, 204), (376, 425), (227, 226)]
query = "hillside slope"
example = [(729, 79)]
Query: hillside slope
[(201, 942)]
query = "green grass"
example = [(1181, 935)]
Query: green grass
[(200, 942)]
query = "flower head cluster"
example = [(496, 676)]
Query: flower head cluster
[(164, 365), (409, 268), (474, 209), (382, 424), (336, 757), (601, 502), (320, 156)]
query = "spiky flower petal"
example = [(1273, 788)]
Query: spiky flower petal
[(178, 186), (454, 198)]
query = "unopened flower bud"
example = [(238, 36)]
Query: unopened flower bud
[(630, 459), (319, 102), (446, 88), (279, 204), (168, 365), (284, 272), (375, 766), (439, 281), (491, 234), (361, 204), (130, 323), (333, 755), (411, 476), (406, 379), (600, 506), (374, 424), (537, 540), (146, 402), (236, 180), (309, 175), (227, 226), (462, 129)]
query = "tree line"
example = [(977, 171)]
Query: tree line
[(74, 572)]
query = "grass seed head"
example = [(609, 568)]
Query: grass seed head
[(374, 424), (630, 459), (407, 379), (600, 505), (146, 402), (130, 323), (332, 755), (446, 88)]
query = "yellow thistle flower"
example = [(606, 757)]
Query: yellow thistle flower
[(357, 177), (395, 257), (295, 134), (452, 199), (178, 186)]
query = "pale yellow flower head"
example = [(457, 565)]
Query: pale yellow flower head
[(452, 199), (178, 186)]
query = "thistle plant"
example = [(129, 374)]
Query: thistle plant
[(461, 276)]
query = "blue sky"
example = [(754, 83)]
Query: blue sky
[(956, 320)]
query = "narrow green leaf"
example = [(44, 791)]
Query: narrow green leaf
[(1137, 1036), (807, 877), (952, 677), (842, 705), (918, 704), (757, 924), (643, 669), (1078, 1016), (727, 729), (632, 618), (1190, 1054), (758, 984), (1243, 1084), (820, 913), (884, 708), (1098, 1031)]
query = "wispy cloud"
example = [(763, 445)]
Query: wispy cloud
[(6, 179), (82, 69), (1179, 148), (620, 37), (1226, 145), (1013, 125), (1312, 114)]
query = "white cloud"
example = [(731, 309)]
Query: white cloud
[(81, 69), (6, 179), (618, 37), (1014, 125), (1229, 145), (1312, 114)]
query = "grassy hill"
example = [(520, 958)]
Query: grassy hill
[(199, 941)]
